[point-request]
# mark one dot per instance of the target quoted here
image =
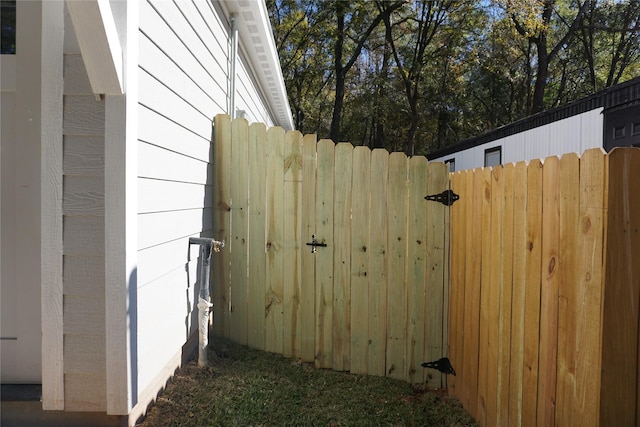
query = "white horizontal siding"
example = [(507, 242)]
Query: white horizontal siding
[(183, 82), (160, 163), (166, 317)]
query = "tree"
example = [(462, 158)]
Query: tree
[(349, 42), (550, 29)]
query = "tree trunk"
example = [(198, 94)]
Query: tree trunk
[(340, 75)]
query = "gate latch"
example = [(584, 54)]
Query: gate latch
[(314, 243), (447, 197)]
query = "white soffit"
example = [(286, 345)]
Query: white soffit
[(256, 37)]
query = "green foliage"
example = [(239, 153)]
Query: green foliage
[(441, 71)]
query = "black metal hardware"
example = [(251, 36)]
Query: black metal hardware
[(447, 197), (315, 243), (443, 365)]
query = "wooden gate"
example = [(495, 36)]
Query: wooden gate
[(333, 254)]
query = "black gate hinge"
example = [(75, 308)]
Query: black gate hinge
[(443, 365), (447, 197)]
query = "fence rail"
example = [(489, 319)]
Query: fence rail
[(374, 299), (545, 289)]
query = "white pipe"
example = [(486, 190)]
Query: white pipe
[(233, 19), (207, 245)]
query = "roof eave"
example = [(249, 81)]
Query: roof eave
[(257, 41)]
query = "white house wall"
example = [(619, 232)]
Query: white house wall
[(573, 134), (183, 82)]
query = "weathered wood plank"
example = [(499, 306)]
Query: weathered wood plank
[(397, 201), (434, 346), (292, 242), (516, 367), (307, 284), (456, 332), (485, 285), (505, 295), (589, 292), (377, 269), (239, 242), (493, 287), (257, 234), (568, 283), (221, 264), (418, 246), (360, 259), (275, 241), (533, 260), (549, 292), (342, 257), (324, 256), (472, 290), (621, 290)]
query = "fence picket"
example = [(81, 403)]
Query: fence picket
[(516, 367), (342, 257), (457, 299), (396, 245), (257, 234), (505, 296), (549, 292), (307, 284), (435, 286), (221, 265), (292, 240), (324, 256), (417, 242), (275, 241), (532, 287), (377, 269), (589, 295), (359, 259), (622, 291), (238, 314), (568, 282)]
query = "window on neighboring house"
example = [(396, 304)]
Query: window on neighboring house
[(493, 156), (8, 34), (451, 163)]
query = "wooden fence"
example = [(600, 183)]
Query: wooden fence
[(545, 291), (375, 298)]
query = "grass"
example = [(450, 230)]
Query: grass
[(246, 387)]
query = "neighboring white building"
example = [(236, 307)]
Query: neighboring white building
[(106, 167), (607, 119)]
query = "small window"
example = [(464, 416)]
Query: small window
[(635, 129), (8, 34), (452, 164), (493, 156), (618, 132)]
